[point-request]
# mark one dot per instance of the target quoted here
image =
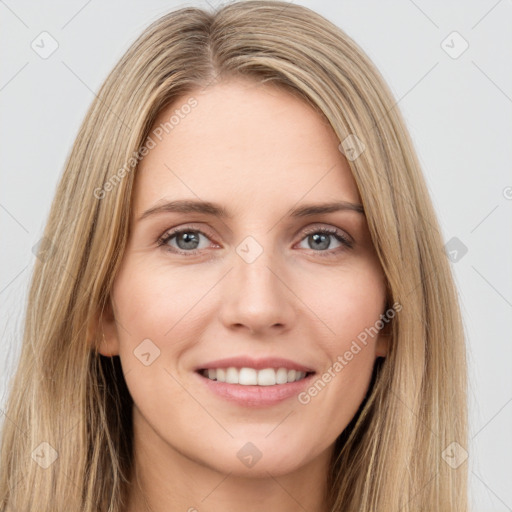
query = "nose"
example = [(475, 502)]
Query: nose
[(257, 296)]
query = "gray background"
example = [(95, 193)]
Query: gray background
[(458, 111)]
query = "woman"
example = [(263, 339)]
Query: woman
[(246, 303)]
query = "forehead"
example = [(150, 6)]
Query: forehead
[(242, 143)]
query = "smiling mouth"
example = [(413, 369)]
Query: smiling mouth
[(252, 377)]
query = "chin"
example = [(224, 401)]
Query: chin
[(258, 459)]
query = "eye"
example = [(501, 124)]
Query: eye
[(320, 238), (186, 239)]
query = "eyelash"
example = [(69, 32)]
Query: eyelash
[(162, 241)]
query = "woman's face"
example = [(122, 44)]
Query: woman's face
[(257, 283)]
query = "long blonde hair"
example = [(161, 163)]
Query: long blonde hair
[(67, 435)]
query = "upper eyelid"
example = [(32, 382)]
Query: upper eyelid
[(178, 229)]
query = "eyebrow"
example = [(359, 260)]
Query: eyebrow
[(209, 208)]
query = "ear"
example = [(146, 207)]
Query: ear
[(103, 332), (382, 344), (384, 340)]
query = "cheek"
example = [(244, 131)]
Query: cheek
[(156, 322), (160, 318), (349, 303), (157, 303)]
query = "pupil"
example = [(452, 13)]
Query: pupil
[(188, 239), (323, 238)]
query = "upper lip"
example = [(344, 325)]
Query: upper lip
[(258, 364)]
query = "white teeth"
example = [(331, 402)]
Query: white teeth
[(267, 377), (252, 377), (246, 376), (282, 376)]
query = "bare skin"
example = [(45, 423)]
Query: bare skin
[(258, 152)]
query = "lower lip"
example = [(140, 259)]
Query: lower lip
[(256, 396)]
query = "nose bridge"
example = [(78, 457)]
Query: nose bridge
[(255, 269), (256, 296)]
